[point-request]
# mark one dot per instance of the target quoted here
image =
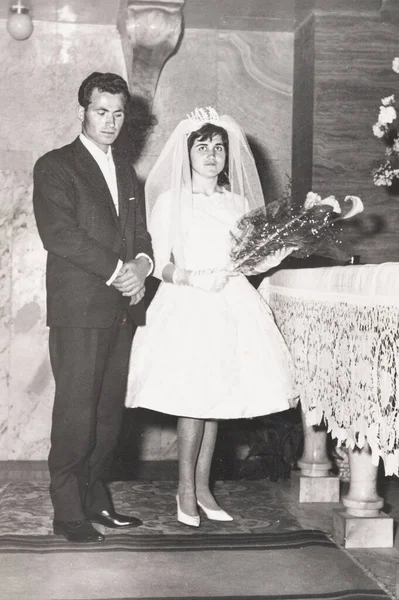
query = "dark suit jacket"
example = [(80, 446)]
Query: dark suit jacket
[(84, 236)]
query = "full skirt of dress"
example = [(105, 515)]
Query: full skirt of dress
[(210, 355)]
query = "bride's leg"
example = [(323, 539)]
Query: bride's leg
[(189, 437), (204, 463)]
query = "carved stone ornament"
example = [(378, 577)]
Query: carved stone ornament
[(150, 31), (389, 11)]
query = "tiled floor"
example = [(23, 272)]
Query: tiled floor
[(381, 563)]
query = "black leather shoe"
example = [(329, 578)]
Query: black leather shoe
[(77, 531), (113, 519)]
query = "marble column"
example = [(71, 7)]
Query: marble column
[(314, 483), (314, 461), (362, 524)]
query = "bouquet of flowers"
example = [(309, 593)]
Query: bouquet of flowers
[(386, 128), (312, 229)]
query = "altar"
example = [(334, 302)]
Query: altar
[(342, 327)]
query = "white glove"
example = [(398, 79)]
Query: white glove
[(207, 280), (271, 261)]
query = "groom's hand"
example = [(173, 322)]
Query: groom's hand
[(132, 275), (135, 299)]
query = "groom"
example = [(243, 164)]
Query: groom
[(89, 213)]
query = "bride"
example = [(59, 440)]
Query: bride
[(211, 349)]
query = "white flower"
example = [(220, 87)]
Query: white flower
[(387, 114), (387, 128), (333, 202), (384, 175), (380, 180), (357, 206), (313, 199), (378, 130), (388, 101)]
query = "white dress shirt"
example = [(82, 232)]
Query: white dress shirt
[(106, 163)]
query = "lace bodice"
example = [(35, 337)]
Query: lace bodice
[(207, 237)]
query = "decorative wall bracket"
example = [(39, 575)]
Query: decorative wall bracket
[(150, 31), (389, 11)]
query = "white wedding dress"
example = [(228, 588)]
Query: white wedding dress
[(209, 355)]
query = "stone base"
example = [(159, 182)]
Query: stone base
[(315, 489), (362, 532)]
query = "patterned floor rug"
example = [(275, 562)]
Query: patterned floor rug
[(256, 506)]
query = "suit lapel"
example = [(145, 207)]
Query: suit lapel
[(124, 189), (90, 169)]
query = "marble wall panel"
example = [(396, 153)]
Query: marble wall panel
[(252, 15), (40, 78), (6, 217), (245, 74), (255, 73), (31, 385), (352, 72)]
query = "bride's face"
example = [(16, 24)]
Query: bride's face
[(208, 157)]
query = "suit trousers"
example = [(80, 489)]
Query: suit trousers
[(90, 368)]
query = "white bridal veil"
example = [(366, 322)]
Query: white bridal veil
[(168, 186)]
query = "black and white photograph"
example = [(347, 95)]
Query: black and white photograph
[(199, 315)]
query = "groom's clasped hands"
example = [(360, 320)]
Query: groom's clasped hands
[(130, 280)]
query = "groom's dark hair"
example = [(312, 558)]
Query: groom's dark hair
[(104, 82)]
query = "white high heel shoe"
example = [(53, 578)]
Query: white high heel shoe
[(186, 519), (215, 515)]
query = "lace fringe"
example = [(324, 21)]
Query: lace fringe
[(346, 358)]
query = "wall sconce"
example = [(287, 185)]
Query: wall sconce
[(19, 22)]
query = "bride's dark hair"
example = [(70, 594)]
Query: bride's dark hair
[(208, 132)]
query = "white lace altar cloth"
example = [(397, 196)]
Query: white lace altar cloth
[(341, 325)]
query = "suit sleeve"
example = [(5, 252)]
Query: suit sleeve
[(54, 204)]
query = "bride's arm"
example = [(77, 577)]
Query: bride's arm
[(160, 230)]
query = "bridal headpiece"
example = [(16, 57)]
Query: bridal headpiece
[(169, 182), (200, 116)]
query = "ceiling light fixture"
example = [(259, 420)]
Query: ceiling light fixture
[(19, 22)]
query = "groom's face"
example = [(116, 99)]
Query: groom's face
[(103, 118)]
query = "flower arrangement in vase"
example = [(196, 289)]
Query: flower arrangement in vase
[(387, 129)]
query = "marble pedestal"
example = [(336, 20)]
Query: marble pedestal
[(315, 489), (314, 482), (362, 524), (362, 532)]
